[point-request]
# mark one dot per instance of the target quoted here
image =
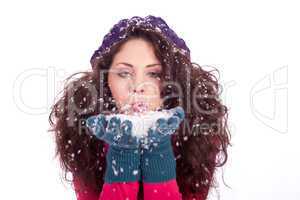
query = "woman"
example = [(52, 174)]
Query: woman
[(142, 65)]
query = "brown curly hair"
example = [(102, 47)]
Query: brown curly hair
[(200, 143)]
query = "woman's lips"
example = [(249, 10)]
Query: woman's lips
[(139, 107), (136, 107)]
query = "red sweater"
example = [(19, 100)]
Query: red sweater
[(129, 190)]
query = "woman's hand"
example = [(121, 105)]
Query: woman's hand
[(158, 162), (113, 131), (163, 128), (123, 156)]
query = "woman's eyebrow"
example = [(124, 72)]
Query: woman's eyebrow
[(130, 65)]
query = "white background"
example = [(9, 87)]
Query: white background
[(254, 44)]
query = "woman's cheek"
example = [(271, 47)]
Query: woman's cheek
[(153, 88), (120, 91), (153, 93)]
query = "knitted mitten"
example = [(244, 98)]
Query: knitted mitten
[(123, 156), (158, 163)]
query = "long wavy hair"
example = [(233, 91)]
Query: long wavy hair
[(199, 144)]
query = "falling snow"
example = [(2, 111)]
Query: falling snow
[(135, 172), (115, 171)]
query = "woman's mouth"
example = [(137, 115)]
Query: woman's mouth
[(139, 107)]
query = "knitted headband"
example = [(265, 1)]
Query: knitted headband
[(150, 23)]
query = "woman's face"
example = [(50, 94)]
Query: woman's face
[(134, 77)]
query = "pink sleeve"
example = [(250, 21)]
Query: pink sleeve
[(164, 190), (110, 191), (119, 191)]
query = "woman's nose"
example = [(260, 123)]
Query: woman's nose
[(139, 85), (141, 90)]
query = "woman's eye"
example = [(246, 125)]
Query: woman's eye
[(155, 74), (123, 74)]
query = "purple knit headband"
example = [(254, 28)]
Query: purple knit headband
[(150, 23)]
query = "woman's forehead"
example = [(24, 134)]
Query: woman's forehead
[(137, 49)]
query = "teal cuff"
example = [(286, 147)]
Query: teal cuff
[(122, 165), (158, 163)]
